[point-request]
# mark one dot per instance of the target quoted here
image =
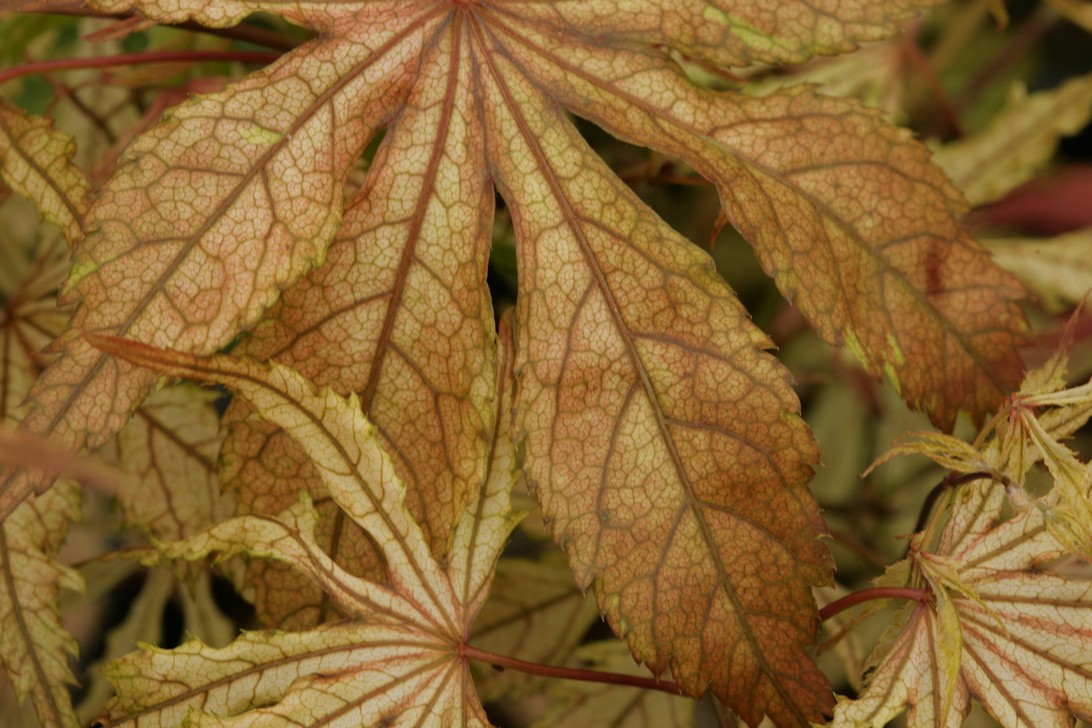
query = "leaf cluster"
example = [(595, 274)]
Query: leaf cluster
[(431, 310)]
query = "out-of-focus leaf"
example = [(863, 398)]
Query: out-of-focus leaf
[(36, 162), (34, 646), (1018, 142), (170, 447), (591, 704), (1058, 270), (537, 614)]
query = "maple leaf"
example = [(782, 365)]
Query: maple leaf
[(399, 656), (1022, 631), (1056, 269), (664, 444), (1018, 142), (171, 447), (35, 648), (36, 162)]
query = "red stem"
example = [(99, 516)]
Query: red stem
[(865, 595), (570, 673), (125, 59)]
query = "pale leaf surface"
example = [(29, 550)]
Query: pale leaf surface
[(34, 646), (1025, 631), (396, 663), (487, 519), (591, 704), (909, 674), (732, 32), (266, 470), (861, 232), (36, 162), (343, 445), (1018, 142), (1058, 270), (144, 623)]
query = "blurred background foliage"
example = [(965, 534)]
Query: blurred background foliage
[(1002, 92)]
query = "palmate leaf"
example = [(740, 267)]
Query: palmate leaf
[(35, 648), (36, 162), (396, 660), (1025, 633), (663, 442)]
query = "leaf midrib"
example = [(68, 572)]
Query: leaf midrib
[(725, 584), (779, 178), (230, 199)]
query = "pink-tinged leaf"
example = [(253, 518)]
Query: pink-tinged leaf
[(36, 162), (224, 203), (640, 377), (1026, 632), (731, 32), (847, 213), (398, 314)]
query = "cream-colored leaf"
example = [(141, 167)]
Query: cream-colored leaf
[(1018, 141), (397, 660), (144, 623), (487, 520), (1026, 634), (35, 648), (1058, 270), (360, 673), (36, 162), (290, 538), (343, 445), (265, 469), (949, 452), (909, 674)]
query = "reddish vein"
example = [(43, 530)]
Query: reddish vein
[(570, 673)]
